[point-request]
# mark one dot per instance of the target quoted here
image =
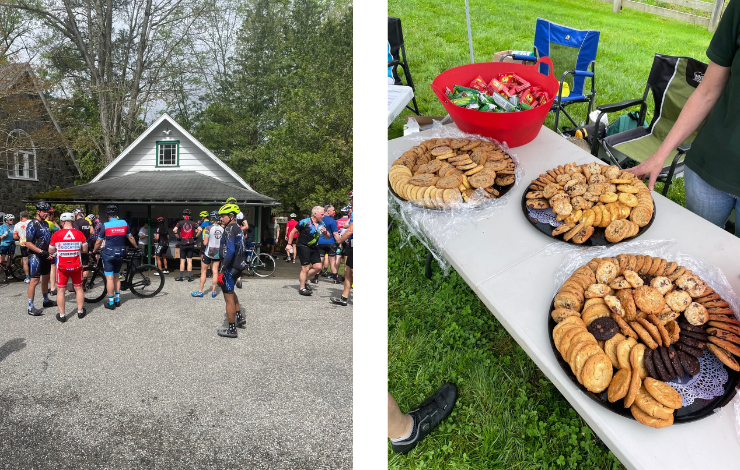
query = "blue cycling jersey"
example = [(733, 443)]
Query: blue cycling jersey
[(39, 234), (114, 232), (331, 227), (6, 235)]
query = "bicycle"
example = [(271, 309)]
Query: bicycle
[(144, 280), (13, 269), (259, 264)]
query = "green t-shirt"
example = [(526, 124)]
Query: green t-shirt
[(715, 153)]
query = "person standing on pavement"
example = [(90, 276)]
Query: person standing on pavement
[(83, 225), (70, 244), (161, 245), (38, 237), (19, 233), (144, 238), (273, 232), (53, 273), (114, 234), (233, 262), (186, 230), (290, 249), (712, 171), (209, 258), (307, 233), (328, 248), (7, 243), (348, 265)]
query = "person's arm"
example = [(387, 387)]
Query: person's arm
[(346, 235), (85, 247), (292, 234), (228, 255), (132, 240), (156, 236), (695, 111), (15, 233)]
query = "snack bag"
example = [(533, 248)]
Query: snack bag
[(505, 79), (503, 103), (496, 86), (465, 101), (521, 84), (479, 84), (527, 97)]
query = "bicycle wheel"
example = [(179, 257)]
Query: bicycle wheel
[(263, 265), (94, 284), (144, 283), (17, 269)]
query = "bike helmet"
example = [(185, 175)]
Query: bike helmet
[(231, 200), (111, 210), (214, 215), (204, 213), (229, 209), (67, 217), (186, 212), (160, 220), (43, 206), (8, 217), (78, 210), (91, 217), (292, 215)]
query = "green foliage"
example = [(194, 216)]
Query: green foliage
[(283, 120), (508, 414)]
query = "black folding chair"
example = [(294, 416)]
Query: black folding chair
[(398, 52)]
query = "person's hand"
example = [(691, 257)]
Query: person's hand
[(45, 255), (220, 279), (650, 167)]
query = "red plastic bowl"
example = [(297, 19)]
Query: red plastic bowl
[(517, 128)]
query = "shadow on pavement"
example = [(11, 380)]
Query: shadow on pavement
[(11, 346)]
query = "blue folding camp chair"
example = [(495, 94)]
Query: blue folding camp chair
[(572, 52)]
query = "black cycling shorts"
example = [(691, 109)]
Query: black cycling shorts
[(348, 263), (186, 252), (308, 254), (326, 250), (207, 260), (161, 250), (37, 266), (24, 252)]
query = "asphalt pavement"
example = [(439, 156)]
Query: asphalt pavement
[(151, 385)]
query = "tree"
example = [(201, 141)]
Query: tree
[(126, 54)]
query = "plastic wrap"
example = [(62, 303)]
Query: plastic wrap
[(714, 276), (434, 228)]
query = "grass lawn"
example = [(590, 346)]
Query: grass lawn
[(508, 415)]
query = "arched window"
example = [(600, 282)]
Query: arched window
[(21, 156)]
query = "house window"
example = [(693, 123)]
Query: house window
[(168, 153), (21, 156)]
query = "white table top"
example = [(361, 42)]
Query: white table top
[(398, 97), (517, 257)]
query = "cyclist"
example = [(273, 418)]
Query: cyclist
[(83, 225), (346, 236), (114, 234), (307, 234), (328, 247), (186, 230), (95, 227), (290, 249), (7, 244), (273, 231), (233, 261), (161, 245), (19, 233), (248, 239), (210, 259), (38, 236), (53, 273), (70, 244)]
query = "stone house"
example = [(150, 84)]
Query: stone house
[(33, 155)]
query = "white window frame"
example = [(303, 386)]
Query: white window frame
[(160, 149), (20, 163)]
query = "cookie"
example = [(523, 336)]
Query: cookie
[(610, 348), (581, 356), (675, 362), (690, 363), (633, 278), (635, 384), (504, 180), (619, 385), (644, 335), (624, 327), (690, 350), (663, 393), (652, 407), (732, 328), (565, 341), (603, 328), (614, 305), (643, 418), (531, 203), (724, 356), (664, 336), (606, 272), (694, 343), (700, 336), (623, 352), (648, 299), (649, 364), (637, 359), (722, 334), (424, 180), (597, 373), (696, 314), (660, 366), (449, 182), (628, 304), (653, 330), (560, 314), (724, 344), (678, 300), (661, 284), (580, 337), (583, 235), (667, 362), (673, 330)]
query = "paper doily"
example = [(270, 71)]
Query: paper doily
[(707, 384), (545, 216)]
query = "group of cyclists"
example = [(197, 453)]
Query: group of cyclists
[(54, 255)]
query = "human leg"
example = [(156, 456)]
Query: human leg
[(214, 271), (204, 266), (707, 201), (226, 281), (399, 424), (303, 275), (61, 281), (425, 418)]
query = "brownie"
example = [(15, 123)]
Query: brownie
[(675, 362), (690, 350), (603, 328), (689, 363), (667, 362)]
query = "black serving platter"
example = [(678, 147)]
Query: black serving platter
[(597, 239), (699, 409)]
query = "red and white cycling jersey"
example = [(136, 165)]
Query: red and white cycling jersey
[(68, 242)]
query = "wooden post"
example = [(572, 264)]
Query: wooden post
[(716, 14), (617, 6)]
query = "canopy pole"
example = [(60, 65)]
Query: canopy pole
[(470, 33), (149, 233)]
